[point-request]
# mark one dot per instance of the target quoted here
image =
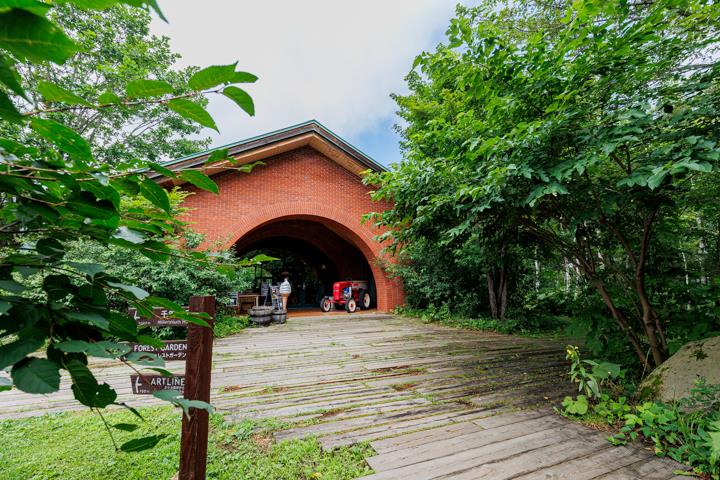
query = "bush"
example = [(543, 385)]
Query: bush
[(688, 431), (226, 325)]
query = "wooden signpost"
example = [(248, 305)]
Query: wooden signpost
[(196, 351), (194, 438)]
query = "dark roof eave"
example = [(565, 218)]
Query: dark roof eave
[(312, 126)]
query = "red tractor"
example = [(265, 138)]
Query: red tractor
[(348, 295)]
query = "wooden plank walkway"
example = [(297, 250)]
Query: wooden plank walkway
[(434, 402)]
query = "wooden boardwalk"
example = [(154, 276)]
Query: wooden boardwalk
[(434, 402)]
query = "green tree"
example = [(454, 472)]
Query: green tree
[(114, 47), (587, 133), (54, 191)]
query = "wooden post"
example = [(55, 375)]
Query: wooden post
[(198, 363)]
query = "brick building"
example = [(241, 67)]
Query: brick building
[(304, 205)]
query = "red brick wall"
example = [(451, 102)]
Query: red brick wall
[(302, 184)]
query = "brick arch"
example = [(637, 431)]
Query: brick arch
[(302, 183), (360, 236)]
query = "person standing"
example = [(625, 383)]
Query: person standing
[(285, 290)]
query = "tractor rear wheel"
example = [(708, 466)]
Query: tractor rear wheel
[(365, 299)]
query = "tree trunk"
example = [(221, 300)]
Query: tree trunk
[(497, 292), (622, 320)]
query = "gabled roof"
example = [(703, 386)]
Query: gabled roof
[(311, 133)]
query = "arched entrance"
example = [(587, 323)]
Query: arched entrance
[(305, 203), (312, 254)]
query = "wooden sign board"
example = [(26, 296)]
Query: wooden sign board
[(147, 384), (161, 318), (172, 350)]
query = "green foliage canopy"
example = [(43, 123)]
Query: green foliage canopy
[(586, 131), (55, 191)]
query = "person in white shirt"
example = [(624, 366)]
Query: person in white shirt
[(285, 290)]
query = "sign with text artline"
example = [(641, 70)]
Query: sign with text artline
[(172, 349), (162, 317), (147, 384)]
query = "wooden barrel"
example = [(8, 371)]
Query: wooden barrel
[(260, 315), (279, 317)]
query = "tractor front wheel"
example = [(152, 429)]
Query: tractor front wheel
[(351, 305)]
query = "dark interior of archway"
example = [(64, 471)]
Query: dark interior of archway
[(313, 255)]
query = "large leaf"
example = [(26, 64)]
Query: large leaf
[(200, 180), (13, 352), (86, 388), (212, 76), (85, 204), (244, 77), (34, 37), (9, 77), (192, 111), (157, 168), (89, 317), (37, 375), (178, 400), (8, 111), (137, 292), (147, 88), (241, 97), (56, 93), (155, 193), (65, 138)]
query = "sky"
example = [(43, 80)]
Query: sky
[(335, 61)]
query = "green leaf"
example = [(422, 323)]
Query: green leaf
[(106, 98), (86, 389), (73, 346), (178, 400), (212, 76), (192, 111), (37, 375), (12, 286), (241, 97), (130, 235), (200, 180), (86, 205), (155, 193), (147, 88), (244, 77), (217, 155), (164, 303), (56, 93), (90, 269), (157, 168), (145, 358), (13, 352), (8, 111), (91, 318), (65, 138), (32, 6), (137, 292), (140, 444), (10, 78), (34, 37)]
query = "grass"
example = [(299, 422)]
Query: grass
[(226, 325), (75, 445), (546, 328)]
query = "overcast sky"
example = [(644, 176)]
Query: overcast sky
[(336, 61)]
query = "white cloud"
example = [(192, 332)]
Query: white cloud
[(333, 60)]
